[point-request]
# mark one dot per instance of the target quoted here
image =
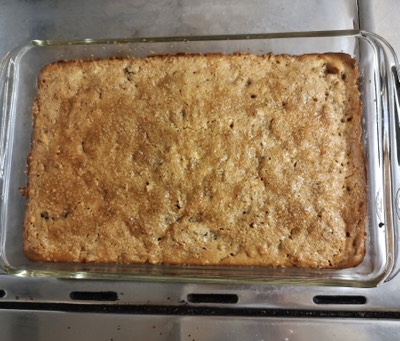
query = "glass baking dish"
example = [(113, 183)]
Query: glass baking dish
[(379, 80)]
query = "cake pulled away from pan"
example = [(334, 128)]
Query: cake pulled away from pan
[(198, 160)]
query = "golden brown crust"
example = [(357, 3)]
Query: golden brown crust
[(198, 159)]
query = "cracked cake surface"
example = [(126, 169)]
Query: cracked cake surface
[(198, 159)]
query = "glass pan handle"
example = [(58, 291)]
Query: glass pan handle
[(395, 170)]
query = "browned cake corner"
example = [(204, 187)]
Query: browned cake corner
[(198, 159)]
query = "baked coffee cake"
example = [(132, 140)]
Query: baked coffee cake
[(198, 160)]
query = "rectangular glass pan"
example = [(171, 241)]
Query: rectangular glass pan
[(19, 72)]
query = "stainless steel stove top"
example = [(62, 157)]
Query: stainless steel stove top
[(36, 308)]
